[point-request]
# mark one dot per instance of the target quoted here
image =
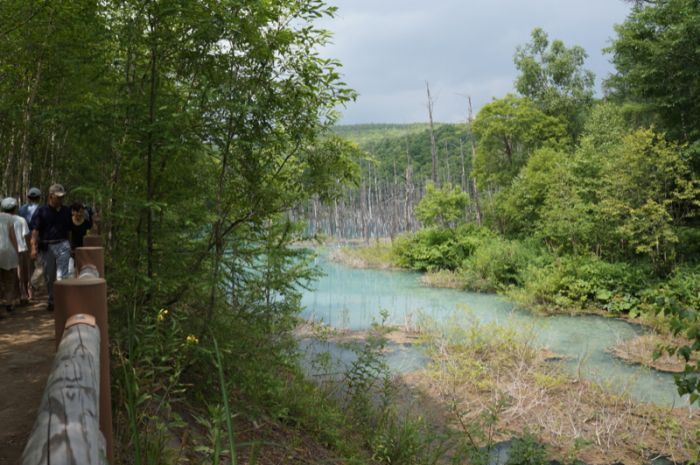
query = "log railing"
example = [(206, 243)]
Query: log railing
[(74, 423)]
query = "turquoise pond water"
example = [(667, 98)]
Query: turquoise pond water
[(350, 298)]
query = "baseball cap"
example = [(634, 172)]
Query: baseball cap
[(8, 203), (57, 190), (34, 192)]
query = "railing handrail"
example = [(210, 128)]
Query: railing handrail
[(66, 430), (74, 423)]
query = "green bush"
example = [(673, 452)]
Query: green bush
[(498, 263), (581, 281), (677, 299), (527, 450), (404, 440), (437, 248), (682, 289), (688, 242)]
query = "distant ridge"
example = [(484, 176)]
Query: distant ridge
[(369, 133)]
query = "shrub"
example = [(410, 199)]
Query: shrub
[(526, 450), (498, 263), (437, 248), (580, 281), (678, 299)]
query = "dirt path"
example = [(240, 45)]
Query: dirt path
[(27, 349)]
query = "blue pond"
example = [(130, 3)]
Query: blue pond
[(352, 299)]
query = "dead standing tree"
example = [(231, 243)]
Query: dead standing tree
[(433, 144), (475, 191)]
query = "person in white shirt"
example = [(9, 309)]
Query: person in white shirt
[(22, 235), (9, 258)]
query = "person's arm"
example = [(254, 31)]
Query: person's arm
[(35, 243)]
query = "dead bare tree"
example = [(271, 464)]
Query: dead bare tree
[(475, 191), (433, 145)]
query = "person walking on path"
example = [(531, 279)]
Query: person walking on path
[(82, 222), (9, 260), (51, 226), (23, 236), (27, 210)]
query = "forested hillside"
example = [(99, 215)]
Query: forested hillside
[(366, 134), (395, 162)]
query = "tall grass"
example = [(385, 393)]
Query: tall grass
[(224, 399)]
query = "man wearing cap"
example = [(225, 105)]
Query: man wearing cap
[(27, 210), (51, 226)]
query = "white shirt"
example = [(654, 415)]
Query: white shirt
[(21, 231), (8, 254)]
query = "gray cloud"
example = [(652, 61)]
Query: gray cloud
[(389, 48)]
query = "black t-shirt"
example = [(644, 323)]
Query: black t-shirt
[(78, 232), (52, 224)]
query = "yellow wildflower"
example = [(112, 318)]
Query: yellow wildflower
[(162, 313), (192, 340)]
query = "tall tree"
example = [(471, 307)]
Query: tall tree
[(553, 77), (508, 131), (658, 67)]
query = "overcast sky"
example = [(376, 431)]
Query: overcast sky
[(389, 48)]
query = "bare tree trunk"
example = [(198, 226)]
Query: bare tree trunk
[(115, 176), (337, 232), (408, 191), (150, 152), (477, 204), (447, 164), (433, 145), (368, 198), (23, 162), (363, 209), (314, 204), (394, 213), (463, 177), (8, 162)]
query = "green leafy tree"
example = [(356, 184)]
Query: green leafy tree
[(442, 207), (193, 127), (571, 219), (521, 204), (509, 130), (658, 72), (332, 165), (568, 222), (552, 76), (648, 189)]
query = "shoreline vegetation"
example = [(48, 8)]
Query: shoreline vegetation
[(642, 350), (496, 379)]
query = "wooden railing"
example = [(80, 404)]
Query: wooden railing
[(74, 423)]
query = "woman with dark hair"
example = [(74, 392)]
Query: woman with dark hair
[(81, 224)]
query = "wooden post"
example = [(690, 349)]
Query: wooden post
[(66, 429), (89, 296), (92, 241), (93, 256)]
